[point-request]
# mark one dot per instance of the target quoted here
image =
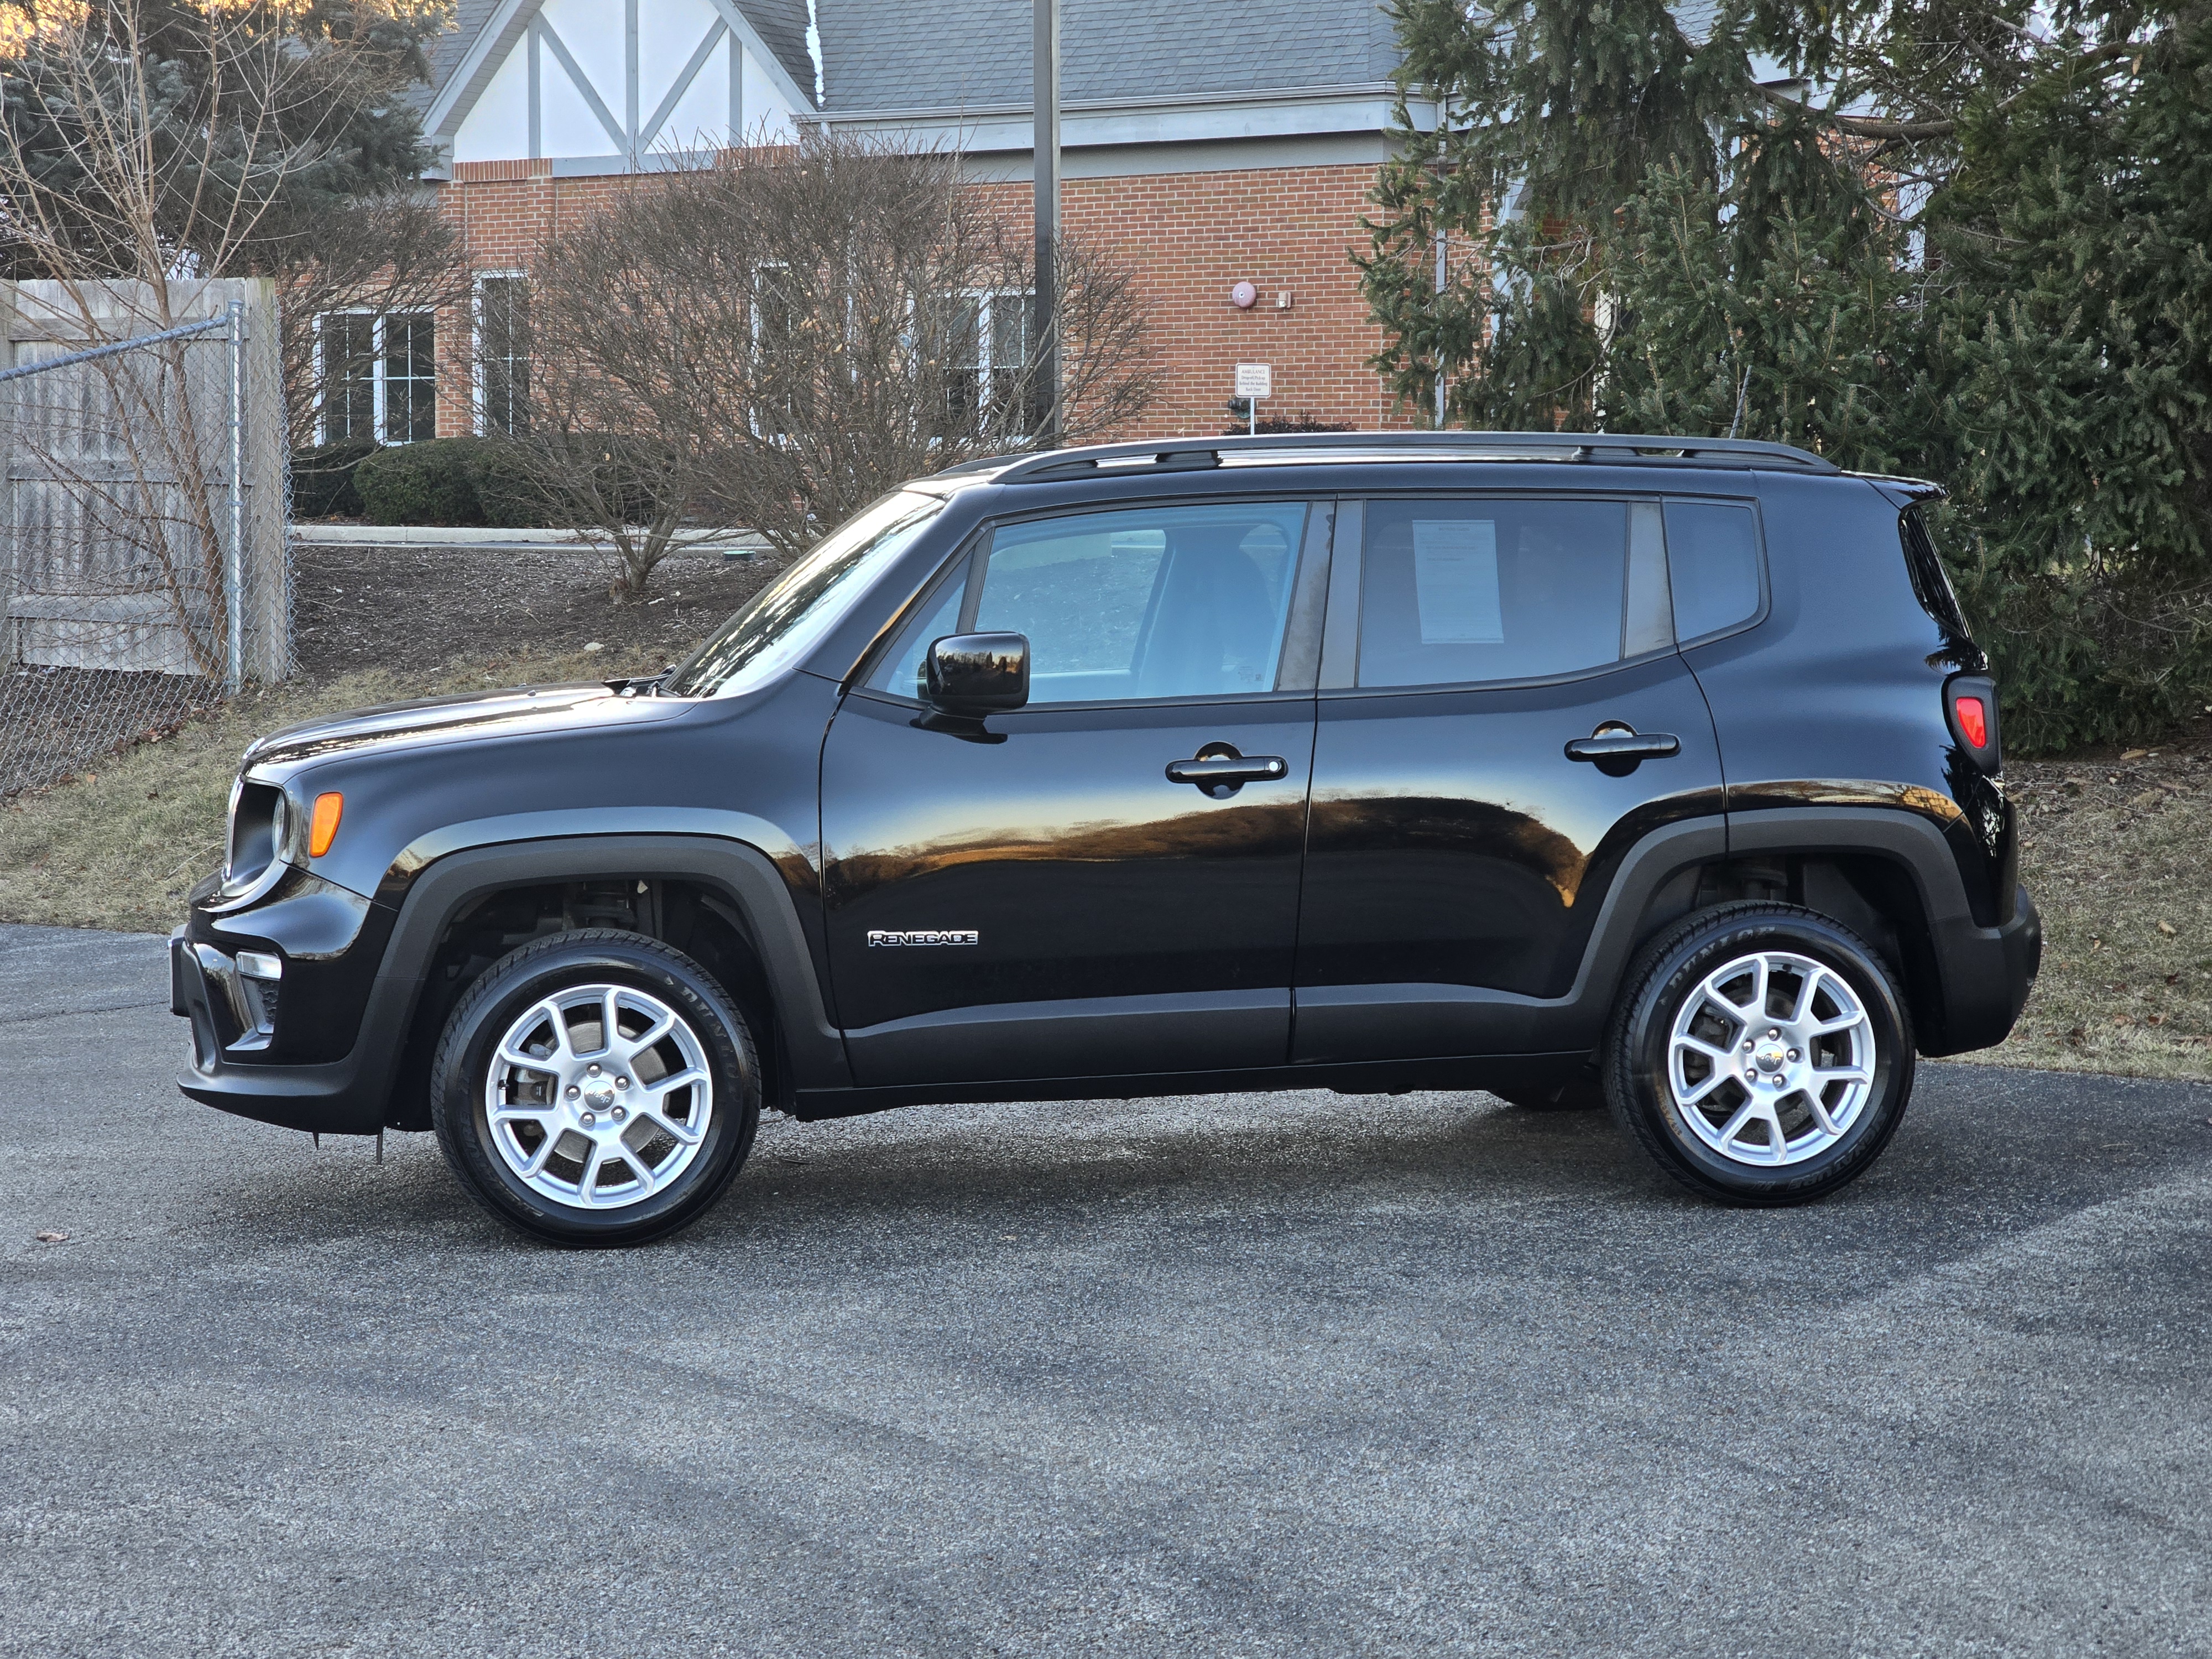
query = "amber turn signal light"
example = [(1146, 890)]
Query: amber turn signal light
[(324, 828)]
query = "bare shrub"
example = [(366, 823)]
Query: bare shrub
[(149, 146), (387, 252), (781, 336)]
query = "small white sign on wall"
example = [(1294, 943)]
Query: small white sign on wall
[(1255, 380)]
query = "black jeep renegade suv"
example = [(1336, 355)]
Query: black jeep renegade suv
[(1659, 769)]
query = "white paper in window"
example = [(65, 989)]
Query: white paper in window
[(1456, 581)]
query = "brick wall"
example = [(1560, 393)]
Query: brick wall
[(1189, 237)]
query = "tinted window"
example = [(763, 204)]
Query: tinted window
[(1931, 582), (1712, 563), (792, 615), (1454, 592), (1154, 602), (906, 670)]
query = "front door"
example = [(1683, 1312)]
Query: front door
[(1033, 896), (1459, 853)]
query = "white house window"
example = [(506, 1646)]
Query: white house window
[(991, 347), (778, 312), (502, 353), (347, 340), (410, 379), (379, 376)]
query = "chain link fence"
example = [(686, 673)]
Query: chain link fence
[(145, 569)]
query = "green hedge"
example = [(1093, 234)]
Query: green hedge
[(490, 481), (505, 492), (431, 482), (322, 479)]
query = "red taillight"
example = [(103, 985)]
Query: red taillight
[(1973, 721)]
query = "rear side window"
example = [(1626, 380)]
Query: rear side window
[(1712, 561), (1493, 589)]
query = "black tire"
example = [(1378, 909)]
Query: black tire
[(565, 961), (1655, 993)]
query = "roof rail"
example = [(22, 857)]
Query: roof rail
[(1599, 448)]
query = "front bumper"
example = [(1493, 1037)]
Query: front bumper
[(343, 1096)]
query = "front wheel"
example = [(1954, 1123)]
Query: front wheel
[(1761, 1052), (595, 1088)]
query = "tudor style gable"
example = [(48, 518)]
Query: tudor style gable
[(618, 86)]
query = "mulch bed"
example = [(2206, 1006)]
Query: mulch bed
[(422, 608)]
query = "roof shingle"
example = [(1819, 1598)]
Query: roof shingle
[(928, 54)]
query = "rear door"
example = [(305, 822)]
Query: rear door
[(1033, 896), (1457, 854)]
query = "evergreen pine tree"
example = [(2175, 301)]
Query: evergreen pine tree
[(1920, 238)]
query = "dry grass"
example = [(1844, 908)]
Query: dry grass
[(2115, 853), (120, 846)]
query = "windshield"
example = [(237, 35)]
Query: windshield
[(787, 618)]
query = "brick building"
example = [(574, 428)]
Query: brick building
[(1208, 147)]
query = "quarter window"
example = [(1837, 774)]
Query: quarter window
[(1452, 592), (1712, 563)]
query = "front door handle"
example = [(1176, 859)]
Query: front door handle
[(1220, 771), (1618, 751)]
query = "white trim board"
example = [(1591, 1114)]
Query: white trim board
[(520, 24)]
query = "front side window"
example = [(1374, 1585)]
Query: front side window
[(503, 353), (379, 376), (1459, 592), (792, 615), (1156, 602)]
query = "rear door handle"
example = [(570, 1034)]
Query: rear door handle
[(1624, 746), (1221, 775)]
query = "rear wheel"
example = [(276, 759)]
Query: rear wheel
[(595, 1088), (1762, 1054)]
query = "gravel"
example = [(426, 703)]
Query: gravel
[(1274, 1375)]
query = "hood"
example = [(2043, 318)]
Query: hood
[(526, 711)]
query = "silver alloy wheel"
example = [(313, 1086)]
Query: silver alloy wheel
[(1771, 1059), (599, 1096)]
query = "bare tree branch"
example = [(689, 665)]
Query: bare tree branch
[(776, 340)]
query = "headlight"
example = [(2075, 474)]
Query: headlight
[(260, 836)]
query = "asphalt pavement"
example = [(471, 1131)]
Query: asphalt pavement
[(1289, 1374)]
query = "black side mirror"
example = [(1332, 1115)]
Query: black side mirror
[(978, 673)]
